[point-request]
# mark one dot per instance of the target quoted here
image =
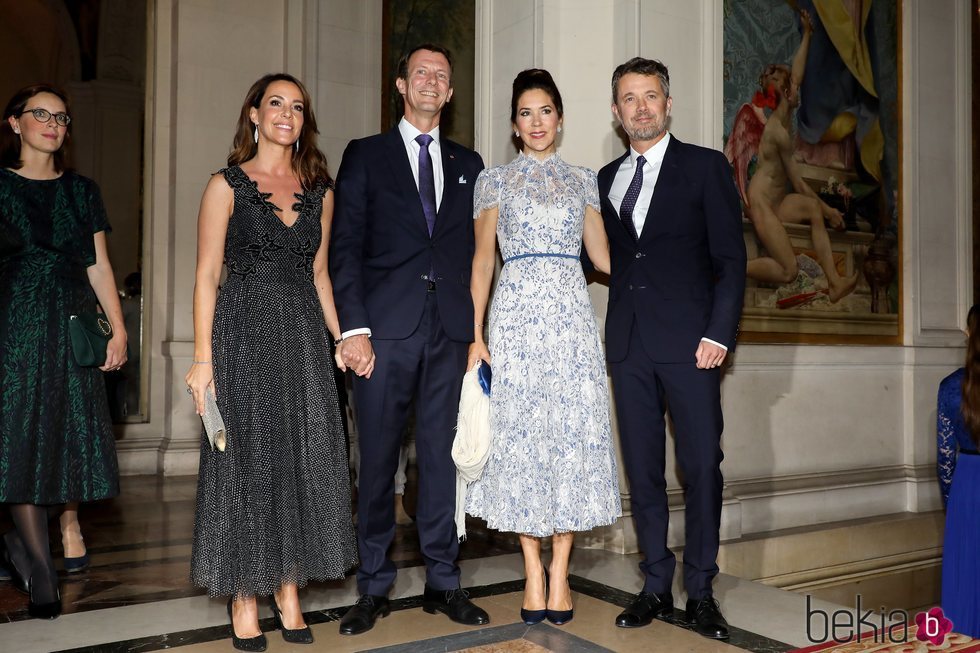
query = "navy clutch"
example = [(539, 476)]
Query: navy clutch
[(484, 374)]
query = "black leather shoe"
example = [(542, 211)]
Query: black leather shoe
[(456, 605), (645, 608), (362, 615), (704, 616), (295, 635), (257, 643)]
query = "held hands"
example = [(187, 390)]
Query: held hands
[(709, 355), (115, 351), (478, 351), (357, 353), (199, 379)]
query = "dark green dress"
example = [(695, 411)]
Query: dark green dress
[(56, 442)]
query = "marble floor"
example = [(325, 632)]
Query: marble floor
[(136, 596)]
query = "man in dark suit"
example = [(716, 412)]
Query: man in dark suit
[(673, 218), (400, 259)]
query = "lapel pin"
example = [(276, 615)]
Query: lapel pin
[(462, 179)]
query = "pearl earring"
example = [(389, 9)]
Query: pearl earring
[(16, 131), (255, 133), (517, 134)]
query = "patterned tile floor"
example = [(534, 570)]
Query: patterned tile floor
[(137, 596)]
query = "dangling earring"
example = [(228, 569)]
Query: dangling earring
[(296, 145), (517, 134), (255, 133), (559, 129)]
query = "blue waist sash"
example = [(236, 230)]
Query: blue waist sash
[(539, 255)]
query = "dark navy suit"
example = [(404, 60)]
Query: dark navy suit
[(682, 281), (380, 257)]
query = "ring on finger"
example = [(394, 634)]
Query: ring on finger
[(189, 391)]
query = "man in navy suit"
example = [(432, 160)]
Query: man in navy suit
[(673, 218), (400, 260)]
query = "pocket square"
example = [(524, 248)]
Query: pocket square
[(462, 179)]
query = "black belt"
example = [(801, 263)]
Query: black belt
[(970, 452)]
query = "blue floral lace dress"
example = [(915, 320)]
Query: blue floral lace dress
[(958, 469), (551, 467)]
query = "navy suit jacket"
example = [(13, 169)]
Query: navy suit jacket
[(380, 248), (685, 277)]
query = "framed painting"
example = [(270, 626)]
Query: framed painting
[(812, 129), (448, 23)]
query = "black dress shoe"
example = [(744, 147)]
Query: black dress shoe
[(705, 617), (645, 608), (257, 643), (456, 605), (291, 635), (362, 615)]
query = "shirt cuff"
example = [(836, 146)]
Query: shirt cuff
[(363, 331), (705, 340)]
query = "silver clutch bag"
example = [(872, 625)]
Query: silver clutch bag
[(214, 426)]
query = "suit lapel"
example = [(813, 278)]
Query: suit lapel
[(450, 186), (668, 182), (403, 178), (605, 185)]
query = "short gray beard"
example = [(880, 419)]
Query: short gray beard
[(646, 133)]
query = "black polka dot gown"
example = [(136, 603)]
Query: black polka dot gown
[(274, 507)]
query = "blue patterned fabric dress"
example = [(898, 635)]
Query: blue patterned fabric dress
[(551, 467), (958, 467)]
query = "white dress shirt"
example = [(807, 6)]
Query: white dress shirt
[(651, 173), (409, 133)]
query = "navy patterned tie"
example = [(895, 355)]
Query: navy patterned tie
[(427, 181), (629, 199)]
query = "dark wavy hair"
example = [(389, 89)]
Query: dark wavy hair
[(970, 406), (309, 163), (641, 66), (535, 78), (431, 47), (10, 142)]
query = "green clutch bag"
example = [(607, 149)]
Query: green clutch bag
[(90, 334)]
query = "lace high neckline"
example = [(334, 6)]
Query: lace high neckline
[(551, 158)]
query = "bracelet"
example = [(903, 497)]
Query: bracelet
[(201, 363), (337, 341)]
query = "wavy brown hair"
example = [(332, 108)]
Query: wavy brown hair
[(10, 142), (970, 406), (309, 163)]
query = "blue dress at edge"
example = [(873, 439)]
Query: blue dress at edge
[(959, 483)]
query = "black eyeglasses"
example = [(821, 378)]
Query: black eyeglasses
[(43, 116)]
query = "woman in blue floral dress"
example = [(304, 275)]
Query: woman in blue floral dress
[(551, 470)]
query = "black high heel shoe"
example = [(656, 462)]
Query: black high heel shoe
[(531, 617), (17, 578), (560, 617), (257, 643), (49, 610), (295, 636)]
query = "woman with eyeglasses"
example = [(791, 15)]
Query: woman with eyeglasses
[(56, 442)]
